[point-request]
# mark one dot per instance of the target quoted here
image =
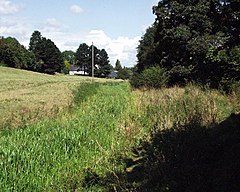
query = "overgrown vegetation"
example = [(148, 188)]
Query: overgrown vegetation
[(153, 77), (188, 149)]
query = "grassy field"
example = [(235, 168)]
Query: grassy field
[(58, 154), (34, 94), (94, 136)]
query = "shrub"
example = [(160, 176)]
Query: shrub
[(153, 77)]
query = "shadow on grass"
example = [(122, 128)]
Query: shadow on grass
[(188, 158)]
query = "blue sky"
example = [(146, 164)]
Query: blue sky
[(114, 25)]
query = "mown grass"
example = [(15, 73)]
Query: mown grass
[(34, 94), (56, 154)]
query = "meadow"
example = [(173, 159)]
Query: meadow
[(34, 94), (103, 134)]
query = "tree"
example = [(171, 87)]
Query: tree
[(35, 39), (124, 73), (101, 61), (51, 57), (69, 56), (48, 56), (83, 57), (118, 65), (194, 41), (13, 54), (66, 67), (146, 56)]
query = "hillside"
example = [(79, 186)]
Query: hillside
[(34, 94)]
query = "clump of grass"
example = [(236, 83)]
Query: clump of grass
[(84, 91)]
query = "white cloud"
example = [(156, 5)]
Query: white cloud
[(122, 48), (52, 22), (51, 25), (76, 9), (13, 27), (7, 7)]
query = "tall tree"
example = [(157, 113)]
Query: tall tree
[(193, 40), (13, 54), (102, 60), (102, 66), (48, 56), (35, 39), (118, 65), (83, 57), (146, 56)]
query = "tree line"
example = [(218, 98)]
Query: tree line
[(190, 41), (45, 57)]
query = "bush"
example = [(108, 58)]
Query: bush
[(153, 77)]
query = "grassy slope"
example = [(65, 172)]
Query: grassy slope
[(34, 94)]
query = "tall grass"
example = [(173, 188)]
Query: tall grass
[(58, 154), (177, 106), (183, 144)]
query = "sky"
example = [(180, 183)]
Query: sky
[(113, 25)]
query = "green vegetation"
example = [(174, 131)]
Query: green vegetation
[(44, 56), (173, 134), (26, 95), (152, 77), (83, 57), (108, 137), (186, 147), (56, 154), (48, 57), (13, 54), (193, 41)]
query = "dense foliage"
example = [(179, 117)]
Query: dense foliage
[(48, 56), (83, 56), (194, 41), (69, 56), (45, 57), (13, 54)]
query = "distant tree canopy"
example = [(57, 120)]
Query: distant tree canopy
[(195, 40), (48, 57), (83, 57), (69, 56), (13, 54), (44, 56)]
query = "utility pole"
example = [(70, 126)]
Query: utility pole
[(92, 61)]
